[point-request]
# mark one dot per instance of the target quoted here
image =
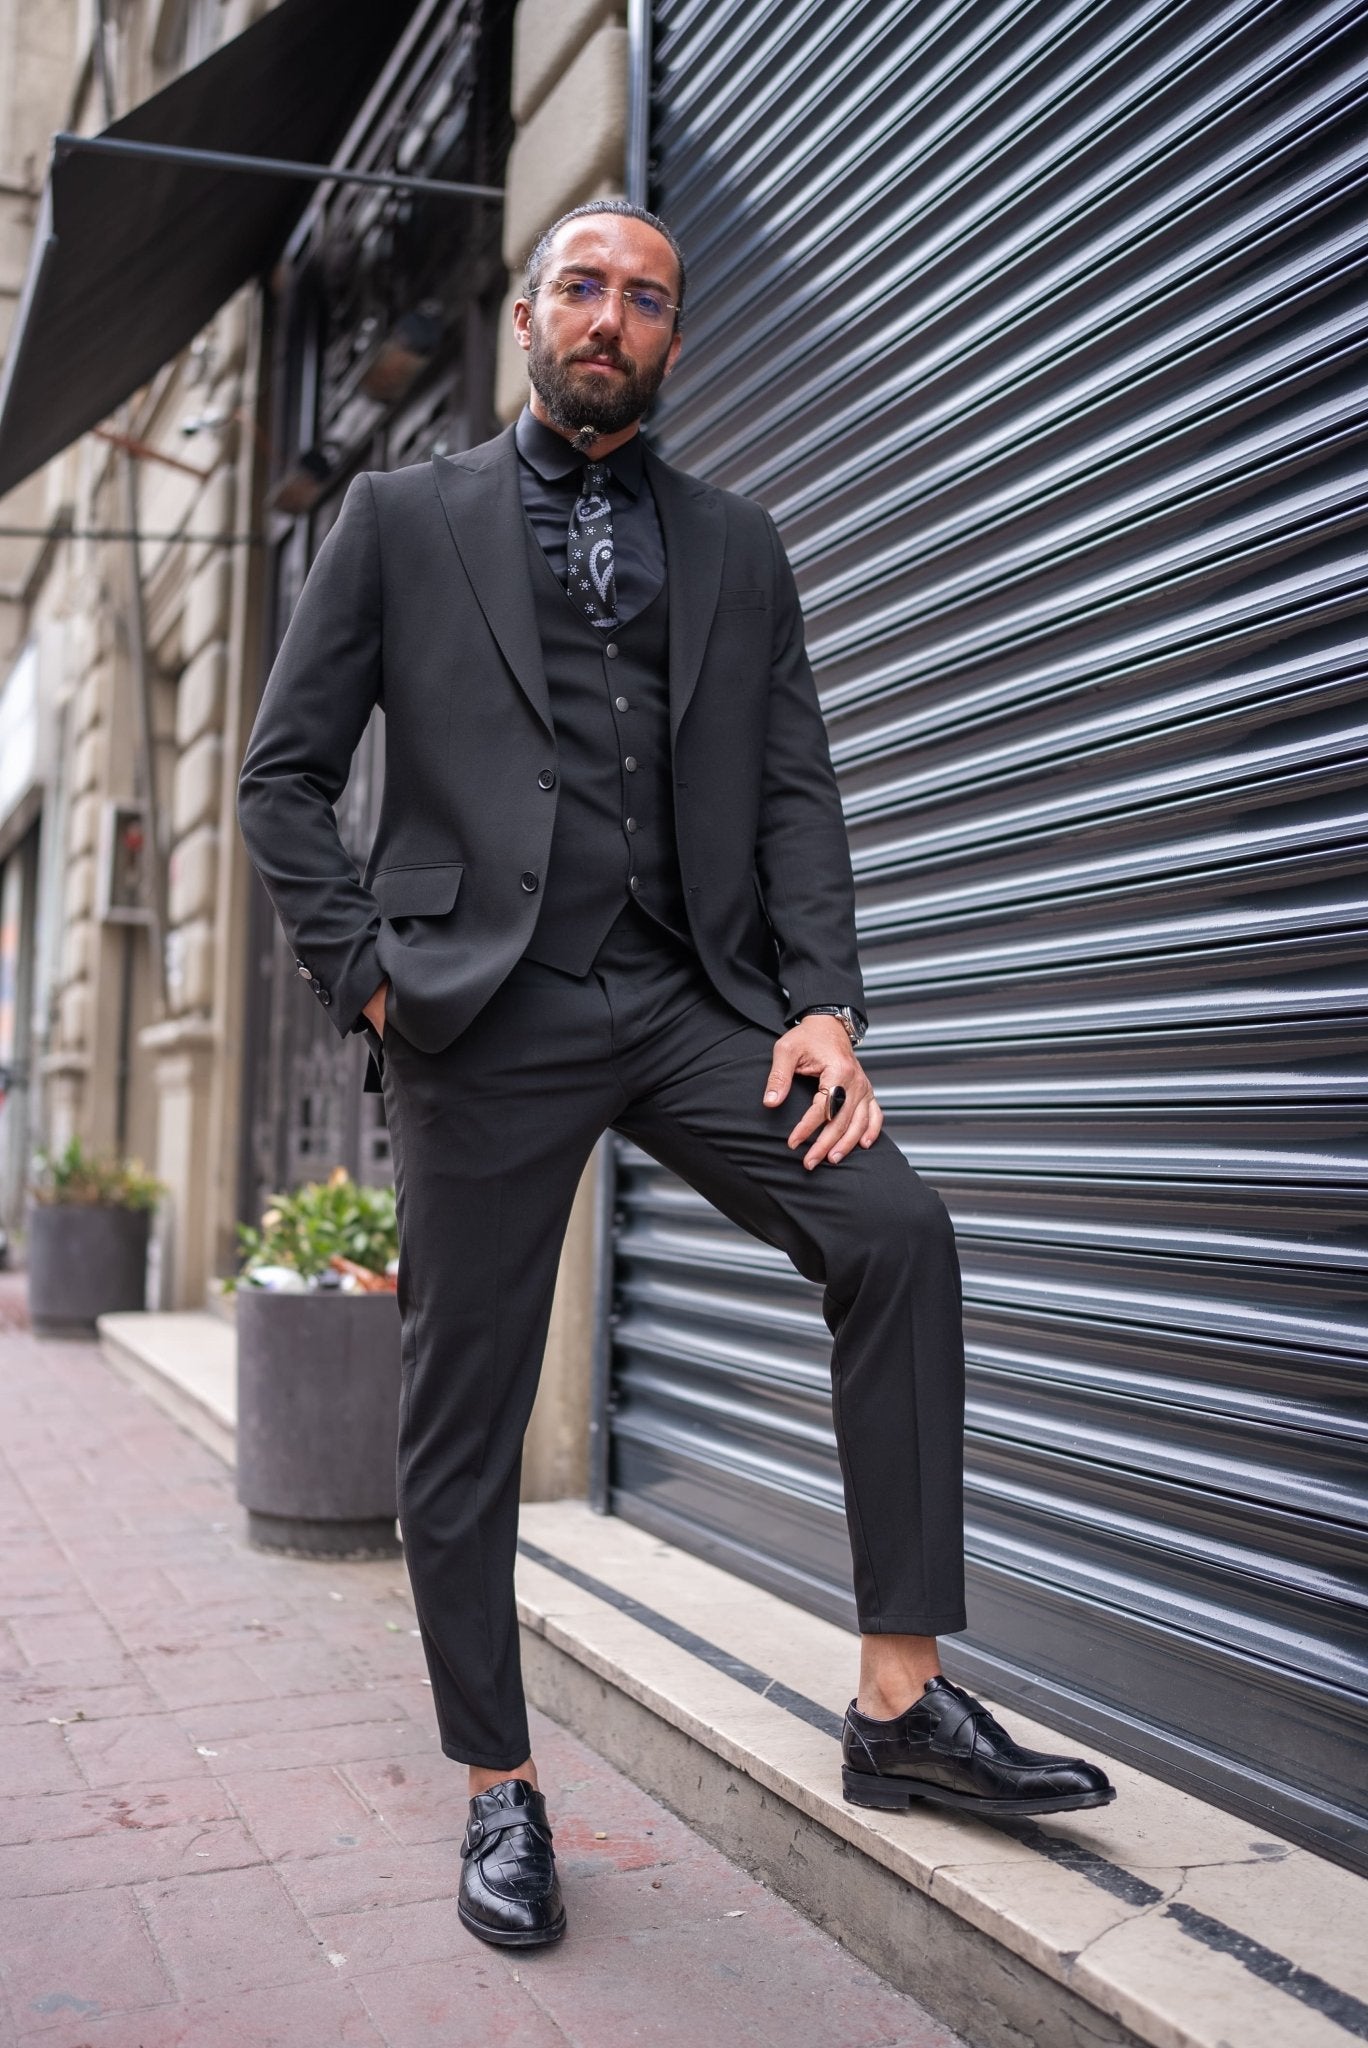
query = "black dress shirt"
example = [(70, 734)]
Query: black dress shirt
[(549, 477)]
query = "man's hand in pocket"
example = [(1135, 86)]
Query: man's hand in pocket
[(375, 1008)]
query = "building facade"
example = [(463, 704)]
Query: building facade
[(1040, 333)]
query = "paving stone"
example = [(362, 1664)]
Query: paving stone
[(310, 1712), (42, 1584), (299, 1666), (309, 1811), (252, 1617), (123, 1856), (675, 1894), (435, 2005), (229, 1931), (189, 1677), (312, 2015), (386, 1936), (64, 1816), (75, 1692), (33, 1759), (61, 1639), (120, 1589), (421, 1798), (354, 1880), (723, 1982), (128, 1749), (85, 1954), (393, 1740)]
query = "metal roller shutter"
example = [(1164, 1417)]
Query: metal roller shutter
[(1040, 328)]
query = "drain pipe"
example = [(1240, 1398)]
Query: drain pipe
[(601, 1336), (135, 626), (638, 165)]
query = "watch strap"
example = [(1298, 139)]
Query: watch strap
[(853, 1019)]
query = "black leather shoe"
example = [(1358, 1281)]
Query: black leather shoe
[(510, 1893), (948, 1748)]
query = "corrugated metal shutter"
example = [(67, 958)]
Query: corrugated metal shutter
[(1040, 329)]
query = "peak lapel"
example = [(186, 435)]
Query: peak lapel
[(483, 507), (694, 528)]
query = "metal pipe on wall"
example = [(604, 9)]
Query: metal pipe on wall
[(637, 177)]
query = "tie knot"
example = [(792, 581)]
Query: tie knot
[(595, 478)]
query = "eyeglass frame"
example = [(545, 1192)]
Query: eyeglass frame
[(626, 292)]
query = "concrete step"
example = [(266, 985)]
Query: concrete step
[(1158, 1919), (187, 1361)]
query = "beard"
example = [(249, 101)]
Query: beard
[(587, 404)]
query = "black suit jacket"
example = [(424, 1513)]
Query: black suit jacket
[(420, 600)]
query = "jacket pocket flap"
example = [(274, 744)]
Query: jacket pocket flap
[(417, 891)]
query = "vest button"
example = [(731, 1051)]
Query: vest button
[(633, 882), (630, 764), (529, 882), (631, 824), (547, 778), (611, 650), (621, 703)]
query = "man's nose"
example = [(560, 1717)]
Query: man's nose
[(607, 318)]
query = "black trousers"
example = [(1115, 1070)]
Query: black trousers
[(490, 1138)]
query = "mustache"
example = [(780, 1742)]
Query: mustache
[(605, 355)]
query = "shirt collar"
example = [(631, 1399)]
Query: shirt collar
[(552, 457)]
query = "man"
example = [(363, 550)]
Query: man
[(610, 887)]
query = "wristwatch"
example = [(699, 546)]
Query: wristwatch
[(853, 1020)]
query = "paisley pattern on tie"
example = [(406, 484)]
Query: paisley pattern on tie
[(591, 579)]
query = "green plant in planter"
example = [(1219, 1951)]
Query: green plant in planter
[(317, 1226), (76, 1175)]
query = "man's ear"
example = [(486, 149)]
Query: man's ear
[(522, 323), (673, 357)]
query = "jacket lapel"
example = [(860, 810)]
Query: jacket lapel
[(694, 529), (483, 507)]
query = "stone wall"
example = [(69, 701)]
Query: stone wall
[(132, 1038), (570, 110)]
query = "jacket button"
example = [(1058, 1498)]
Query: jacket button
[(307, 972), (631, 824), (634, 881), (621, 703), (547, 778), (611, 650), (630, 764), (529, 882), (324, 997)]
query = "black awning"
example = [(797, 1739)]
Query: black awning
[(132, 255)]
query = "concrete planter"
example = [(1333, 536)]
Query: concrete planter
[(318, 1422), (84, 1259)]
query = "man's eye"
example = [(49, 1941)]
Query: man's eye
[(578, 290), (649, 305)]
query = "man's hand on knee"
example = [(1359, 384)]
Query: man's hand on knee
[(821, 1046)]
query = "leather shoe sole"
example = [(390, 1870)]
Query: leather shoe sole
[(862, 1788), (512, 1937)]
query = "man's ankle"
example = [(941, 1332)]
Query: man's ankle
[(481, 1779), (880, 1704)]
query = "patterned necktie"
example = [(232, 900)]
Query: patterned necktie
[(591, 581)]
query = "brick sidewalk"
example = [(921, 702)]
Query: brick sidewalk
[(226, 1821)]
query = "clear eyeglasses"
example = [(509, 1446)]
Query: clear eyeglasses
[(586, 292)]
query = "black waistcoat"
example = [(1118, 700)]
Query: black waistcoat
[(614, 836)]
